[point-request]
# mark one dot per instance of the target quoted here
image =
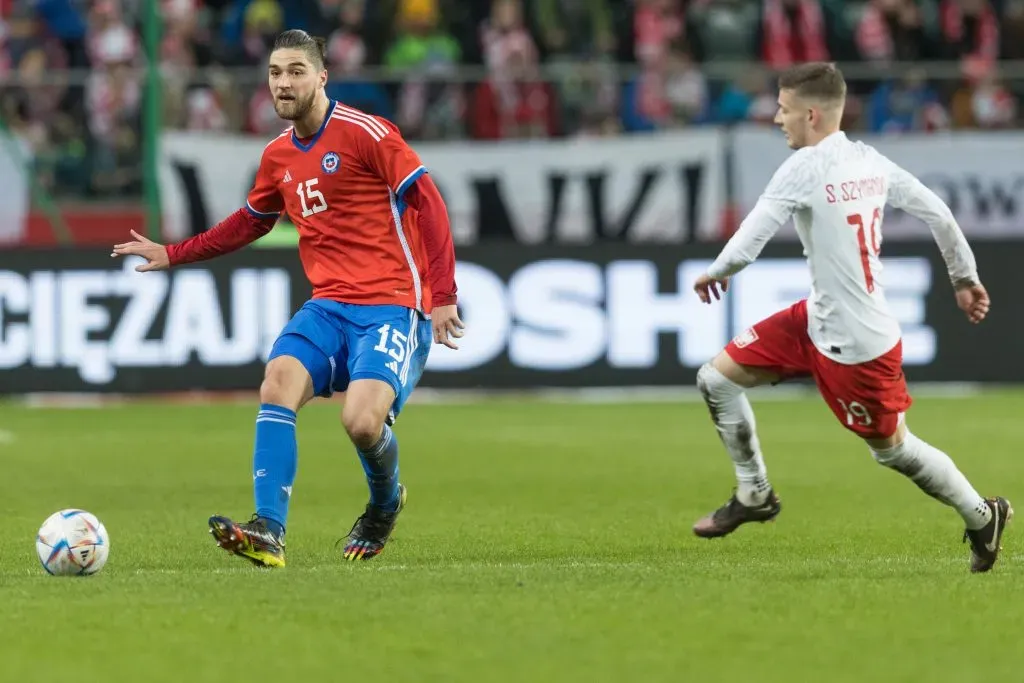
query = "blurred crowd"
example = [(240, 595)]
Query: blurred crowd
[(73, 70)]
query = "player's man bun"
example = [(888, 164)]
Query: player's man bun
[(314, 46), (816, 80)]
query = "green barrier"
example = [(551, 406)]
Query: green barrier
[(152, 115), (39, 195), (283, 236)]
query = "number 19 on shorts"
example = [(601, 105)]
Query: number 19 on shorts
[(856, 413)]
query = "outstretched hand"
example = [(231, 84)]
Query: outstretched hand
[(973, 300), (706, 286), (155, 254)]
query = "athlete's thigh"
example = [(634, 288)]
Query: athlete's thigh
[(389, 344), (778, 344), (869, 398), (313, 337)]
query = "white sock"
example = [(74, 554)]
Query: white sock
[(936, 474), (734, 419)]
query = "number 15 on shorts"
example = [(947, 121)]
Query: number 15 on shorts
[(395, 346)]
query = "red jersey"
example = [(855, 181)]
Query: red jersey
[(343, 189)]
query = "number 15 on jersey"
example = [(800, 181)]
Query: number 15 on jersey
[(312, 200)]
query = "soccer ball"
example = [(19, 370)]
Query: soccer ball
[(72, 543)]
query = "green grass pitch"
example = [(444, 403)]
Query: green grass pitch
[(542, 542)]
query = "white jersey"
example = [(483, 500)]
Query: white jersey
[(837, 191)]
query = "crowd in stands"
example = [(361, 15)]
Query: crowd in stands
[(73, 70)]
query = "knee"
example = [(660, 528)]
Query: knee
[(714, 386), (705, 379), (362, 426), (892, 450), (892, 456), (286, 383)]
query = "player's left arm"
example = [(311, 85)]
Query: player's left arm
[(388, 155), (436, 231), (908, 193), (788, 190)]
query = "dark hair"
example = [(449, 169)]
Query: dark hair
[(818, 80), (295, 39)]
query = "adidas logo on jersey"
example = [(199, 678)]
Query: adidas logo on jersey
[(287, 176)]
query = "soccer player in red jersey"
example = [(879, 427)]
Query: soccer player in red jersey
[(375, 243)]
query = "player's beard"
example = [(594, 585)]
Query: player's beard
[(293, 110)]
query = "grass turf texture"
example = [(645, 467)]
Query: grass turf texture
[(542, 542)]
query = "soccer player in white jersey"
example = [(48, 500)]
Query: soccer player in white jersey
[(843, 335)]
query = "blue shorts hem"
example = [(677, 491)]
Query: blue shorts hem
[(320, 367), (380, 376)]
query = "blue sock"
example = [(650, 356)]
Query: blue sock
[(381, 466), (273, 464)]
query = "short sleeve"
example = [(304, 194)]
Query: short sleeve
[(381, 147), (264, 200)]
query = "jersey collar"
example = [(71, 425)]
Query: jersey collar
[(312, 141)]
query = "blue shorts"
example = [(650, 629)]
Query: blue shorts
[(338, 343)]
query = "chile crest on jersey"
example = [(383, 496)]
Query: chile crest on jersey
[(330, 162)]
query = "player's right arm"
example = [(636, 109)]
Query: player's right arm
[(262, 208), (908, 193), (788, 190)]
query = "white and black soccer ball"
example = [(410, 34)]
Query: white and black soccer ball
[(72, 543)]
